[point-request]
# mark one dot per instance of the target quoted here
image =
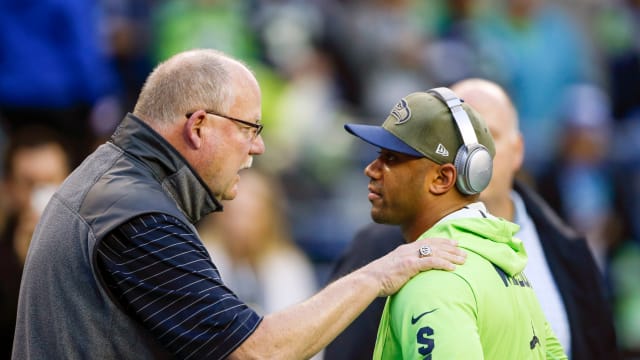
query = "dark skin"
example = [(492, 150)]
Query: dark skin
[(412, 192)]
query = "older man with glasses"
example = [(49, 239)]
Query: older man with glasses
[(256, 128), (116, 268)]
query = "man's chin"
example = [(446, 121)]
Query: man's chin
[(377, 217), (232, 191), (227, 198), (384, 217), (230, 195)]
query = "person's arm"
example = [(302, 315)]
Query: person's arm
[(302, 330)]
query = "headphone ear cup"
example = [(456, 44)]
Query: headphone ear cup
[(474, 166)]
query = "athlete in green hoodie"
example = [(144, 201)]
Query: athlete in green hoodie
[(436, 156)]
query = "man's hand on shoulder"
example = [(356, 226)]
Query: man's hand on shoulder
[(396, 268)]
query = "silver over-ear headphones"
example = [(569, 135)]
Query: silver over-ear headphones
[(473, 161)]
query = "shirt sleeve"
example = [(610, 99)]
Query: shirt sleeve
[(436, 318), (161, 274)]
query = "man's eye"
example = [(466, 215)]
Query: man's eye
[(386, 156), (248, 130)]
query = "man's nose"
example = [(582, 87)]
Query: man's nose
[(257, 146), (373, 169)]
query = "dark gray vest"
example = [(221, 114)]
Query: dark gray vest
[(64, 310)]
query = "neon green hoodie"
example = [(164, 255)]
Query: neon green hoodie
[(485, 309)]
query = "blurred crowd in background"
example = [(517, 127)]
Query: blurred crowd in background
[(71, 69)]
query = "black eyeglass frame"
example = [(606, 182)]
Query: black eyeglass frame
[(256, 126)]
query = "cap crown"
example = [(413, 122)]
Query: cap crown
[(426, 124)]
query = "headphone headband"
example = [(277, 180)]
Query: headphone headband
[(459, 114), (473, 161)]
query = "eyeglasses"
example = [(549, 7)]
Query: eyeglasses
[(256, 128)]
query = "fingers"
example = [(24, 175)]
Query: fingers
[(436, 263), (444, 254), (395, 268)]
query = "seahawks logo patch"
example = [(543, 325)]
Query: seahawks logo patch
[(401, 112)]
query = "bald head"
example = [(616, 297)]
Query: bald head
[(494, 105), (490, 100), (196, 101), (196, 79)]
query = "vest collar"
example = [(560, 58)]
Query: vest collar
[(178, 179)]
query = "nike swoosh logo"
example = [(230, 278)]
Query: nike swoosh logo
[(414, 319)]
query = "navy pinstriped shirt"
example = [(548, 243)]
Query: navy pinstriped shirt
[(161, 274)]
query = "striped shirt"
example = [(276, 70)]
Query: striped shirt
[(160, 273)]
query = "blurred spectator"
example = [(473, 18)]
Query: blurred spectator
[(450, 54), (625, 153), (624, 275), (580, 186), (53, 69), (536, 51), (218, 24), (314, 156), (225, 25), (251, 244), (307, 103), (35, 163), (382, 42), (616, 25), (307, 148), (126, 26)]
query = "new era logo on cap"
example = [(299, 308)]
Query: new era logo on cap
[(441, 150)]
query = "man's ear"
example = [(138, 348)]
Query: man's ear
[(518, 150), (192, 130), (444, 179)]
